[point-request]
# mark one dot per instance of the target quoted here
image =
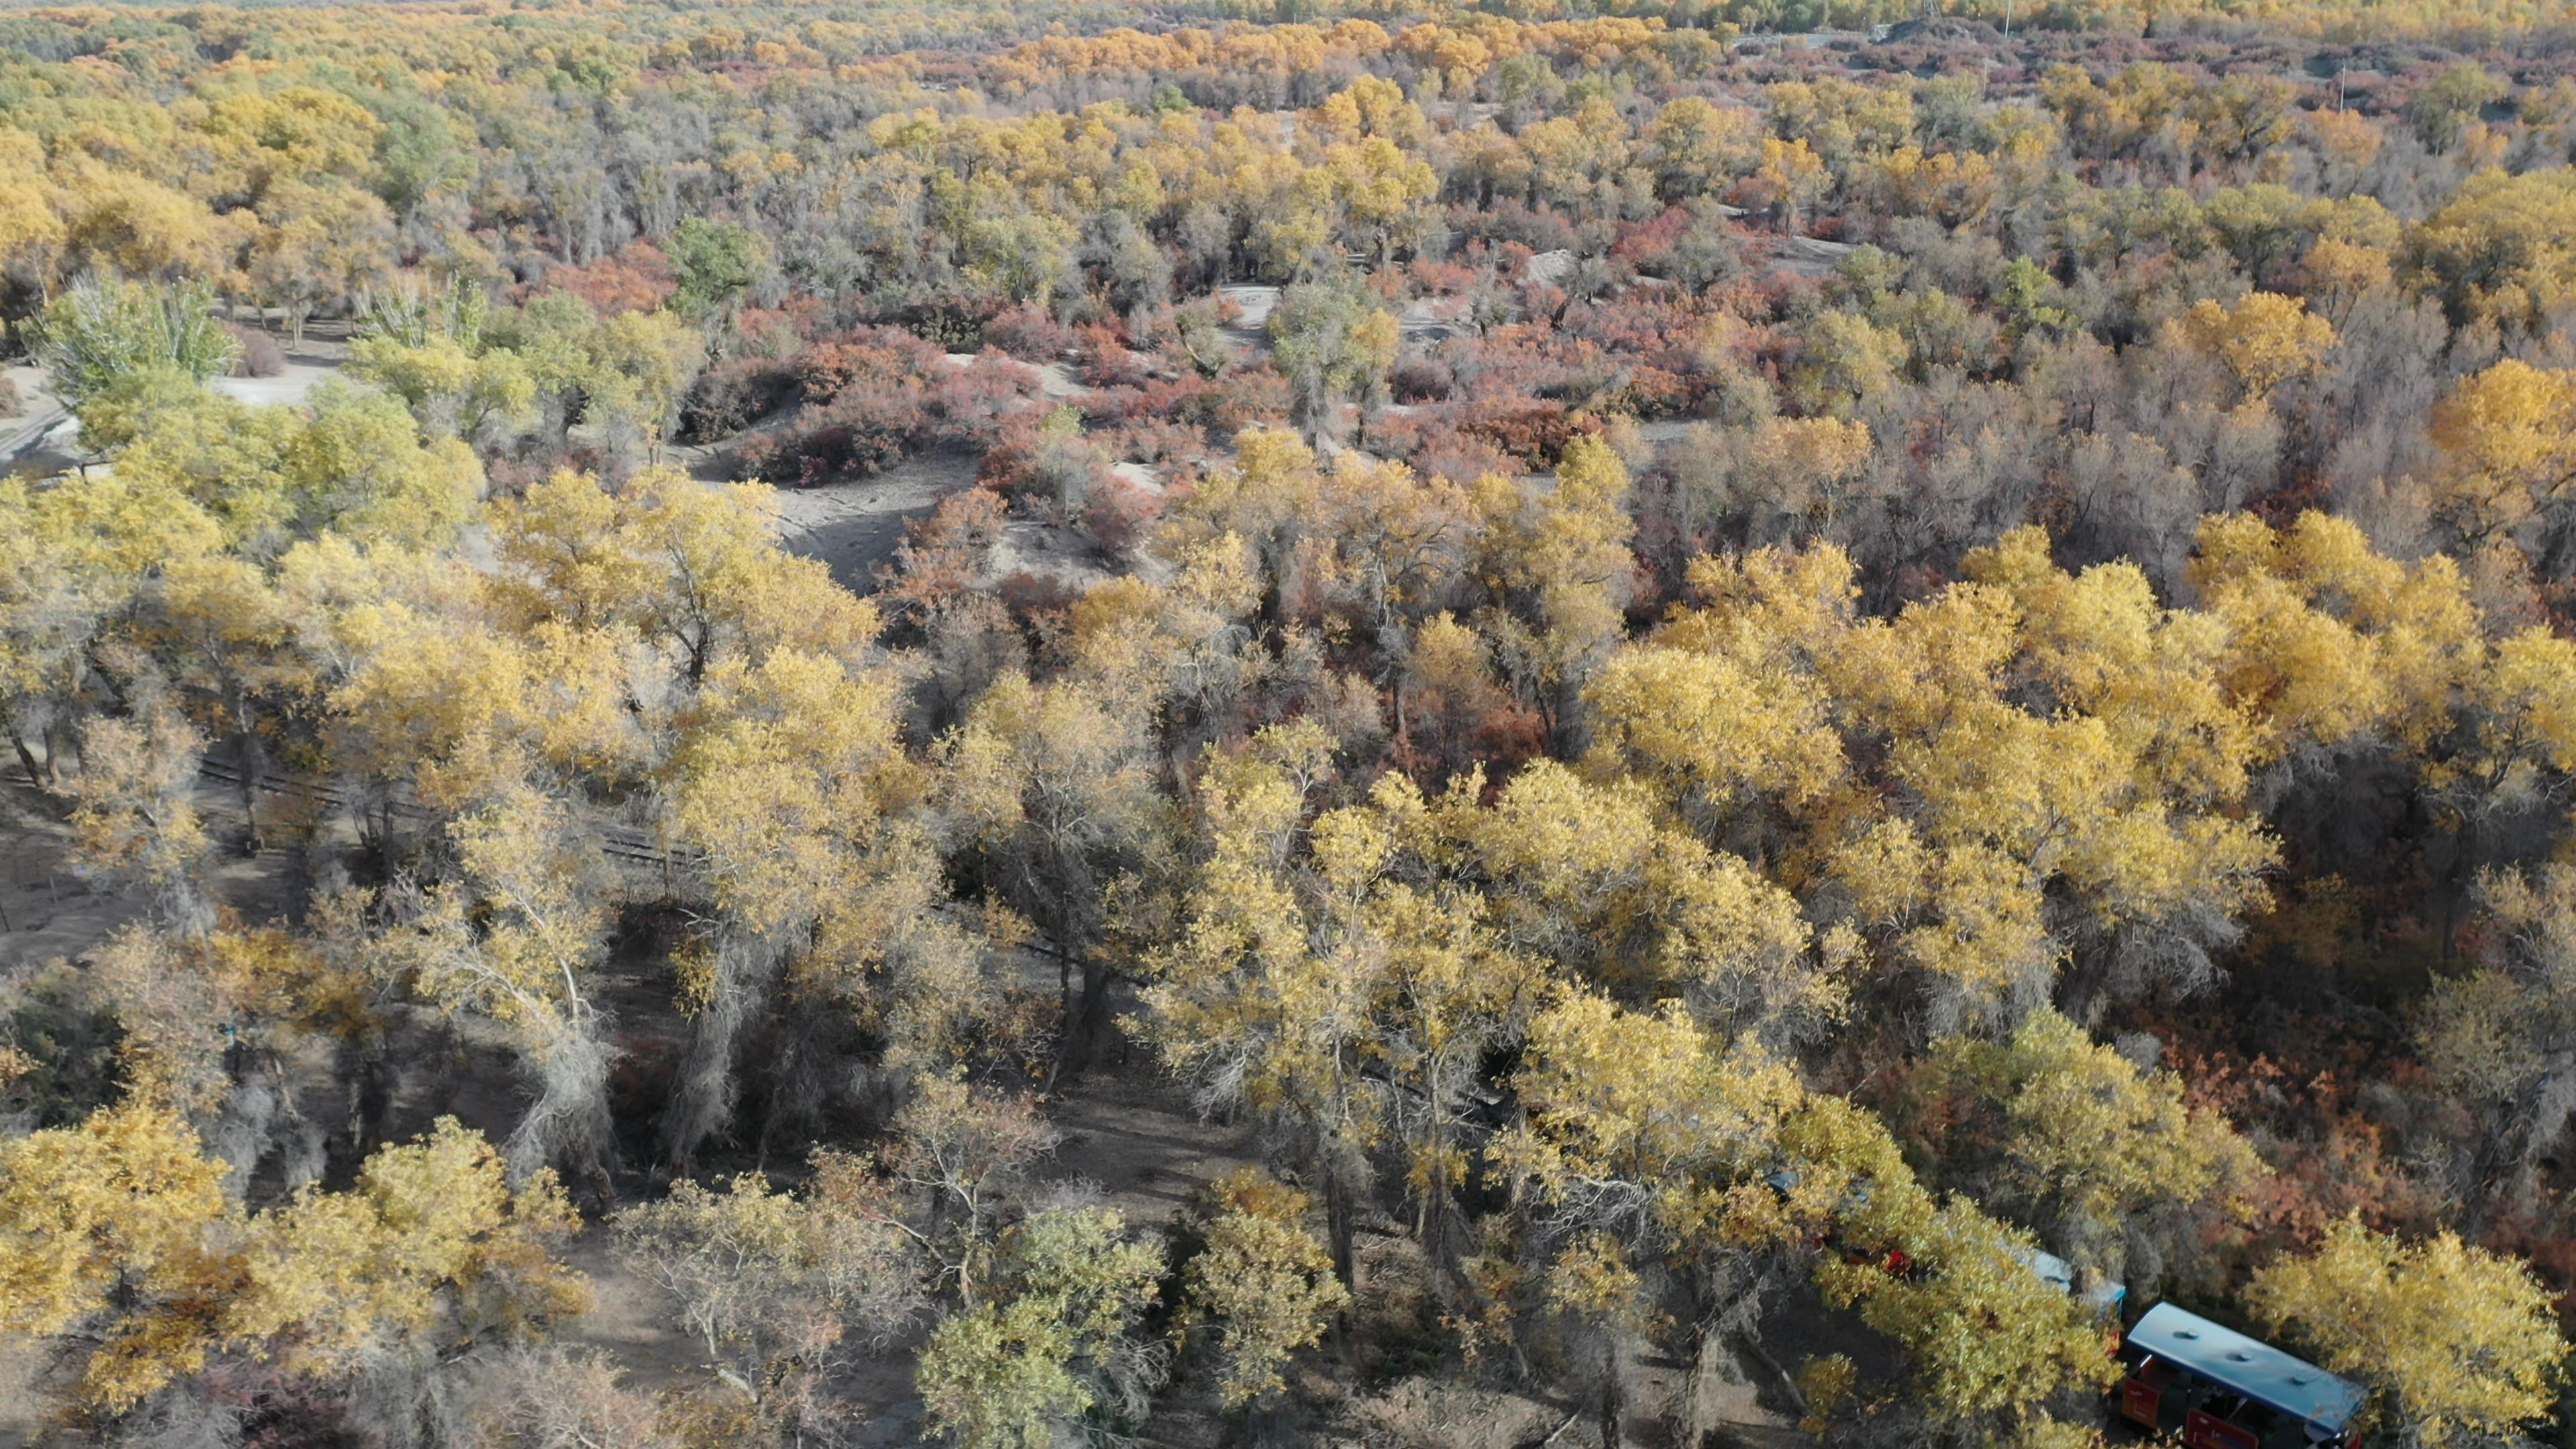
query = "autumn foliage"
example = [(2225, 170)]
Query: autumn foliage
[(1667, 699)]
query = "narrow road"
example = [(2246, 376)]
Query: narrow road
[(31, 431)]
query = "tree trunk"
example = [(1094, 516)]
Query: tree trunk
[(702, 1104), (1340, 1227), (798, 1077), (372, 1086), (251, 759), (1083, 1027), (569, 1125), (1611, 1406), (1068, 1056), (1441, 1235)]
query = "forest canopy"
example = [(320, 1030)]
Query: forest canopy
[(1208, 723)]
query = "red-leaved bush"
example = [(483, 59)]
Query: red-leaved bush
[(1045, 463), (1119, 512), (1154, 440), (735, 393), (1028, 333), (879, 394), (867, 356), (637, 279), (942, 556)]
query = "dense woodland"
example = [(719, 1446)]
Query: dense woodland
[(1666, 661)]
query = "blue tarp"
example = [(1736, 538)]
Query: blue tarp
[(2248, 1366), (2104, 1297)]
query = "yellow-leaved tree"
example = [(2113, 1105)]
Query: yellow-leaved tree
[(2265, 339), (2507, 442), (2083, 1142), (517, 937), (2048, 763), (1341, 991), (2461, 1344), (1056, 794), (117, 1235), (1264, 1282), (1556, 558)]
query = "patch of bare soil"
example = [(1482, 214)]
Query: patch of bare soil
[(630, 1321), (1127, 1130), (39, 440), (1047, 550), (1758, 1436), (854, 526), (22, 1363), (293, 385), (1802, 256), (1055, 380), (1424, 1414)]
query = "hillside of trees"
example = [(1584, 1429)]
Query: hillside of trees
[(1108, 723)]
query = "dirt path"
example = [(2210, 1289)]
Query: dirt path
[(630, 1321), (22, 1361), (1126, 1130), (39, 441), (290, 386)]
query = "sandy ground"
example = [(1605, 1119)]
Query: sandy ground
[(39, 440), (21, 1360), (1054, 379), (44, 439), (290, 386), (852, 527), (48, 910), (1249, 332), (1126, 1130), (1430, 319), (1254, 304), (322, 354), (1049, 551), (35, 397), (629, 1321), (1802, 256), (1144, 475)]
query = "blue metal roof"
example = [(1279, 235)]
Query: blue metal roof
[(2247, 1365)]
